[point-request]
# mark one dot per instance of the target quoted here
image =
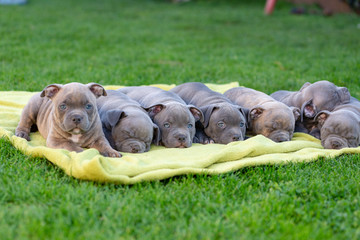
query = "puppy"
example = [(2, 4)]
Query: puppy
[(66, 116), (311, 99), (341, 127), (126, 125), (223, 123), (175, 119), (267, 116)]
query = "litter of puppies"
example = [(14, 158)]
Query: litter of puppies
[(74, 116)]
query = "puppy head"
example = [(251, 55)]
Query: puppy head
[(339, 129), (275, 121), (176, 123), (74, 105), (322, 95), (131, 132), (224, 123)]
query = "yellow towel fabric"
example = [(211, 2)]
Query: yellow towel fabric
[(160, 162)]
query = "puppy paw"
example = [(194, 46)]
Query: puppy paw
[(23, 134), (208, 141), (203, 139), (111, 153)]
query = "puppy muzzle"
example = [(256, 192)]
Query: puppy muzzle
[(279, 137), (132, 146), (76, 123), (334, 143)]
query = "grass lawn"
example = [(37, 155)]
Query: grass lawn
[(139, 42)]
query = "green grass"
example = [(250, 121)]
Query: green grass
[(144, 42)]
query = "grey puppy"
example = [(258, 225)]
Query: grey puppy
[(341, 127), (268, 117), (126, 125), (175, 119), (224, 122), (67, 117), (311, 99)]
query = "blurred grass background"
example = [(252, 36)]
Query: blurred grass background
[(142, 42)]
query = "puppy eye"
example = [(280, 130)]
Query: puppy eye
[(242, 124), (62, 106), (190, 125), (88, 106), (221, 124), (166, 125)]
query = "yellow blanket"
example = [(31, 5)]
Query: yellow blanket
[(160, 162)]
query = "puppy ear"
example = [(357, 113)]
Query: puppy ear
[(156, 135), (245, 112), (207, 111), (308, 109), (321, 117), (97, 89), (296, 112), (113, 117), (197, 113), (304, 86), (51, 90), (344, 95), (154, 109), (255, 112)]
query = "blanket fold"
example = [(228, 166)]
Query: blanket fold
[(160, 162)]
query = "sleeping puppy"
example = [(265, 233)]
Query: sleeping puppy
[(341, 127), (224, 122), (67, 117), (175, 119), (311, 99), (267, 116), (126, 125)]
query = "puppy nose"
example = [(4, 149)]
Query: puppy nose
[(281, 139), (77, 119), (335, 145), (135, 149), (236, 138), (181, 138)]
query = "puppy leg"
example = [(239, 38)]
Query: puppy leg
[(315, 133), (28, 118), (299, 127), (103, 146), (62, 143)]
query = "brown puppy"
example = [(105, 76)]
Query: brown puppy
[(311, 99), (341, 127), (267, 116), (175, 119), (126, 125), (223, 123), (66, 116)]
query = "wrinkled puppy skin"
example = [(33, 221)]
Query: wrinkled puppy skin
[(341, 127), (126, 125), (175, 119), (267, 116), (66, 116), (224, 122), (311, 99)]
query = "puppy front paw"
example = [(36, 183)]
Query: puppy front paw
[(203, 139), (111, 153), (207, 140), (22, 134)]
